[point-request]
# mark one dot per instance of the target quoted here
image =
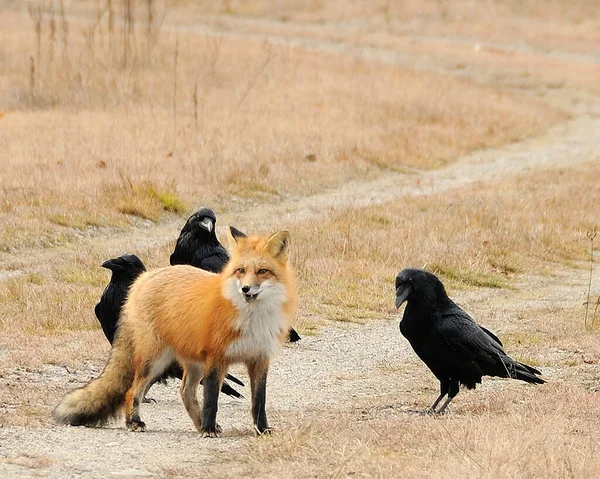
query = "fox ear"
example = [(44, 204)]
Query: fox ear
[(278, 244), (234, 235)]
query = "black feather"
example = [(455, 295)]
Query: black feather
[(198, 245), (455, 348), (125, 269)]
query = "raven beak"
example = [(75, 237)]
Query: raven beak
[(401, 294), (206, 223), (109, 264)]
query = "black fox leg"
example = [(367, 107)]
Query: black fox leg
[(257, 370), (453, 391), (212, 385)]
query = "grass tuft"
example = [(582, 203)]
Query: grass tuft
[(144, 199), (479, 279)]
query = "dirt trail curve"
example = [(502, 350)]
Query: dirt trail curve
[(573, 142)]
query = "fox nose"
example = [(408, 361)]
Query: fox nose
[(245, 289)]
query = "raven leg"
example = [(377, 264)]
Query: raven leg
[(444, 387), (453, 391)]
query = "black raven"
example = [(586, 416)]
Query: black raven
[(125, 269), (448, 340), (198, 246)]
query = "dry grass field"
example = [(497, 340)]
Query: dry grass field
[(456, 136)]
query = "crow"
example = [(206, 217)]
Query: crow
[(125, 269), (455, 348), (197, 245)]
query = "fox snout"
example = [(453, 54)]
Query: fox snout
[(250, 292)]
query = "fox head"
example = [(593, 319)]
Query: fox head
[(258, 266)]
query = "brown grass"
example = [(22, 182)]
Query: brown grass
[(480, 235), (543, 24), (271, 121), (92, 147), (539, 435)]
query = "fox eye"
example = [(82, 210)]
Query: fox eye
[(240, 270), (262, 271)]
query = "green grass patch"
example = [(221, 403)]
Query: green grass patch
[(35, 278), (145, 199)]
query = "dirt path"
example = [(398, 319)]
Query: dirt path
[(563, 145), (324, 374)]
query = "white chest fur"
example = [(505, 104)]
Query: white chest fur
[(259, 322)]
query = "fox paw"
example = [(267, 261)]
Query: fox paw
[(211, 431), (136, 426)]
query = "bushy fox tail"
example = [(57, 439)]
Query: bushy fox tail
[(102, 398)]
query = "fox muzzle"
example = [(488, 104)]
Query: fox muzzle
[(250, 293)]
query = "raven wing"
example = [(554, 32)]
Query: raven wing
[(458, 330), (492, 335), (215, 261)]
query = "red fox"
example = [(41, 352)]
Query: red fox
[(204, 320)]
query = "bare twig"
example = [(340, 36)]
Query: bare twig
[(111, 25), (195, 99), (127, 30), (150, 21), (269, 57), (51, 38), (591, 234), (31, 76), (214, 51), (175, 92), (462, 449), (64, 31), (36, 12)]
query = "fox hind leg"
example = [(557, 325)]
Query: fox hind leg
[(133, 398), (192, 374), (145, 372)]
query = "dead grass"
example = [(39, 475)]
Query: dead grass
[(93, 147), (252, 120), (540, 435), (547, 25), (480, 235)]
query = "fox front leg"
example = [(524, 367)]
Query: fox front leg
[(212, 386), (258, 383)]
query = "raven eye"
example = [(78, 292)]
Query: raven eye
[(262, 271), (240, 270)]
